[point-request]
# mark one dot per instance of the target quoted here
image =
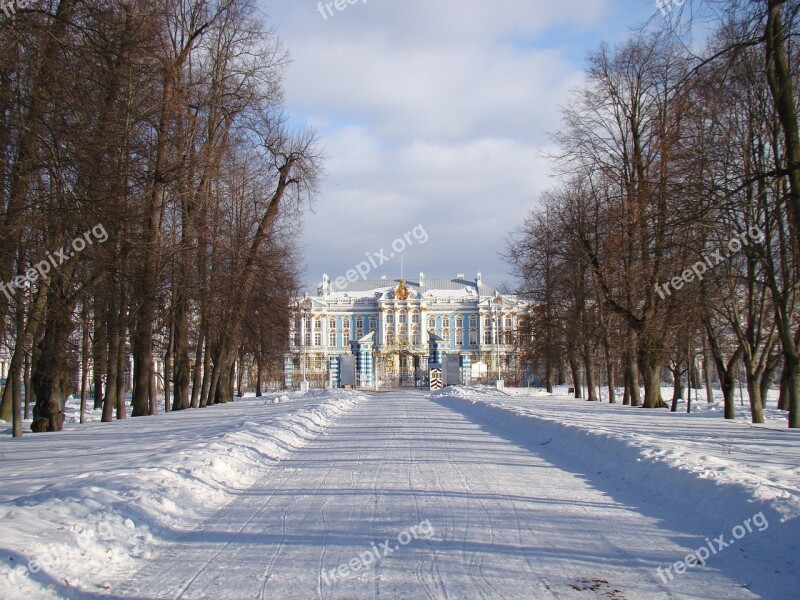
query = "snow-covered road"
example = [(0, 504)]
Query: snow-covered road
[(454, 511)]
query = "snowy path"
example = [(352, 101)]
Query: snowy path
[(506, 523)]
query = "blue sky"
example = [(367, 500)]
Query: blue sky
[(434, 114)]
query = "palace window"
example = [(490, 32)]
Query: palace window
[(333, 323), (473, 322), (346, 322), (432, 324), (332, 339), (487, 337), (360, 323), (445, 322), (373, 323), (416, 339), (415, 317), (403, 317), (508, 322), (446, 334), (359, 334), (317, 323), (473, 337), (345, 337), (459, 322), (318, 338), (459, 337)]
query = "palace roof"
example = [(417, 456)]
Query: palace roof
[(428, 287)]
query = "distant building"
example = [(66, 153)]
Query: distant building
[(391, 325)]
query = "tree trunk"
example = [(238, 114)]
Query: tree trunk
[(792, 365), (110, 399), (232, 378), (549, 376), (168, 368), (258, 374), (728, 377), (591, 389), (181, 375), (84, 360), (652, 383), (780, 78), (197, 370), (610, 379), (99, 350), (756, 401), (632, 373), (142, 363), (785, 393), (122, 409), (51, 378), (575, 369), (767, 378), (205, 392), (16, 384), (28, 388), (707, 366), (677, 386), (153, 391), (694, 370), (240, 374)]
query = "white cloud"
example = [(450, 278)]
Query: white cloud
[(431, 112)]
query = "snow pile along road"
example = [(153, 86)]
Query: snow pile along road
[(704, 475), (763, 462), (80, 506)]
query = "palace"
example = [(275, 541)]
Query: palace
[(389, 331)]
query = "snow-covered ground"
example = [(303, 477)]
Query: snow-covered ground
[(91, 502), (707, 473), (466, 493)]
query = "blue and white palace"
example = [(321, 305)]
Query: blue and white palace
[(391, 330)]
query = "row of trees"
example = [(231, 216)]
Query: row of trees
[(674, 228), (159, 123)]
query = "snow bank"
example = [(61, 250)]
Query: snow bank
[(702, 476), (152, 479), (761, 461)]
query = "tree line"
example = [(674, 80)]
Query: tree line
[(673, 230), (158, 124)]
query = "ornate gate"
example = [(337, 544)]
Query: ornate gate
[(402, 369)]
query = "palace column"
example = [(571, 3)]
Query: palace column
[(481, 340)]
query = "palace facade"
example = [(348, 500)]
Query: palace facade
[(393, 330)]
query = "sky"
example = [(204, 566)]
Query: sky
[(434, 118)]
